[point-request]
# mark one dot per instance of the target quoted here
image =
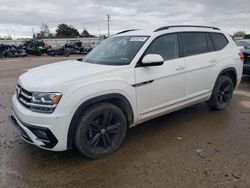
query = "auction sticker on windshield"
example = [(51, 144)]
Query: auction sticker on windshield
[(138, 39)]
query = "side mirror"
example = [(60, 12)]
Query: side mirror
[(152, 60)]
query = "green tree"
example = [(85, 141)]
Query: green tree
[(64, 31), (239, 34), (85, 33), (247, 36)]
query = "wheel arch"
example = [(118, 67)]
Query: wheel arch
[(116, 99), (231, 72)]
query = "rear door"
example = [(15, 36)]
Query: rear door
[(200, 61)]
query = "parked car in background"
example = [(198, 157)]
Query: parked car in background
[(246, 53), (242, 43), (128, 79)]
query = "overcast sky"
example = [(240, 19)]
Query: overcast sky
[(19, 17)]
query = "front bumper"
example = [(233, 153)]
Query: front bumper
[(40, 136), (47, 131)]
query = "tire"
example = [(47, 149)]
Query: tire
[(51, 54), (37, 53), (10, 55), (100, 130), (222, 93), (66, 53)]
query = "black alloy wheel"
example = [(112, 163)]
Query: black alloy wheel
[(101, 130), (222, 93), (225, 93)]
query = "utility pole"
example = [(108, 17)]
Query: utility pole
[(33, 33), (108, 20)]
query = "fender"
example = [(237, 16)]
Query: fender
[(224, 71), (126, 107)]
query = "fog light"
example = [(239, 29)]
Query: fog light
[(44, 135), (40, 134)]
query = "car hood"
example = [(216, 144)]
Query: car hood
[(47, 78)]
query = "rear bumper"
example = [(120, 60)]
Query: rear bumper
[(246, 69)]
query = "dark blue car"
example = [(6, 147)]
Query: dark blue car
[(246, 52)]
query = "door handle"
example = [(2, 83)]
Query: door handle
[(213, 61), (180, 68)]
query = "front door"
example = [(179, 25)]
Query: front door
[(158, 87)]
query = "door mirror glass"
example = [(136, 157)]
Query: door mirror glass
[(152, 60)]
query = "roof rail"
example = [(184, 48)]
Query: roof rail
[(125, 31), (173, 26)]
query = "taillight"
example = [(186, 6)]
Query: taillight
[(241, 56)]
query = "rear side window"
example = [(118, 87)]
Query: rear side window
[(219, 40), (194, 43), (210, 43), (167, 46)]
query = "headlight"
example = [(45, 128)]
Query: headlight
[(44, 102)]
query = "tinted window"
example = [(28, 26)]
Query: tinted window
[(219, 40), (210, 43), (167, 46), (194, 43)]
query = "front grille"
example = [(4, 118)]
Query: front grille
[(23, 96)]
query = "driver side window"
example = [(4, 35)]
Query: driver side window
[(167, 46)]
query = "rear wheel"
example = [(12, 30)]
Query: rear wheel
[(222, 93), (100, 130)]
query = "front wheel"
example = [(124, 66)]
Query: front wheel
[(100, 130), (222, 93)]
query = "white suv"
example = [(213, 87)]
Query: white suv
[(129, 78)]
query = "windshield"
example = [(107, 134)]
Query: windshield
[(116, 50)]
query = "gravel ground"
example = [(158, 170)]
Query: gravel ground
[(193, 147)]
